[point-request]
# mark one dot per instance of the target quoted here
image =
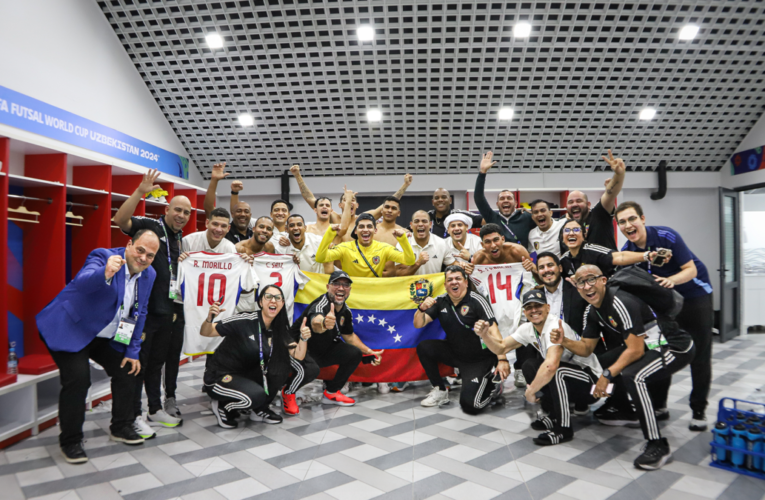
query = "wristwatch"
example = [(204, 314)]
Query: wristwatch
[(607, 375), (235, 192), (302, 339)]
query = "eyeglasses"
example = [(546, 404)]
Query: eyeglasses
[(341, 285), (588, 281), (269, 297), (631, 220), (575, 230)]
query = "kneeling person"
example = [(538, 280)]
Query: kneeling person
[(563, 377)]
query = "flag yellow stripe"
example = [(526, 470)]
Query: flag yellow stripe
[(386, 294)]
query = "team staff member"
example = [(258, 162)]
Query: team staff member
[(240, 222), (303, 245), (252, 363), (546, 236), (562, 377), (460, 311), (332, 342), (100, 316), (431, 251), (365, 257), (688, 275), (442, 203), (598, 221), (651, 355), (162, 310), (515, 224)]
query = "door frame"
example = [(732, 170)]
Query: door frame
[(738, 282)]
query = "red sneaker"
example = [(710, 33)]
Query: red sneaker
[(289, 404), (337, 398)]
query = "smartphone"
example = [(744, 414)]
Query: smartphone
[(662, 256), (367, 359), (609, 389), (497, 378)]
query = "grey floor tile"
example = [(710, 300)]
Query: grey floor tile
[(744, 488), (478, 430), (633, 491), (313, 452), (752, 364), (694, 450), (657, 482), (522, 448), (492, 460), (547, 484), (605, 451), (189, 486), (221, 449), (72, 483), (25, 466), (730, 378), (306, 488), (520, 492)]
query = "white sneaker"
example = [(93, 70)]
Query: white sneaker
[(142, 428), (346, 388), (383, 388), (520, 382), (162, 419), (437, 397)]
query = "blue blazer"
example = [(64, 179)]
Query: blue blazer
[(87, 304)]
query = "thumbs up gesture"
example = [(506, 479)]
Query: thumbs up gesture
[(329, 319), (556, 334), (528, 265), (305, 332), (113, 265)]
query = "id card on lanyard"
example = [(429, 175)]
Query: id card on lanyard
[(483, 344), (174, 292), (127, 323)]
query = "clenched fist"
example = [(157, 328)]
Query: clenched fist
[(481, 327), (236, 186), (423, 258), (113, 265), (427, 303)]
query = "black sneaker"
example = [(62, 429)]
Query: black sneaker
[(127, 435), (226, 419), (74, 454), (542, 423), (554, 436), (655, 454), (581, 409), (603, 410), (617, 418), (698, 421), (661, 414), (266, 416)]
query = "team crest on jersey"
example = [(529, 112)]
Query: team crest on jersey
[(375, 260), (464, 310), (536, 245), (612, 321), (143, 336), (420, 290), (227, 379), (342, 320)]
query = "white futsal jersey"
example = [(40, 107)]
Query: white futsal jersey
[(503, 285), (280, 270), (205, 278)]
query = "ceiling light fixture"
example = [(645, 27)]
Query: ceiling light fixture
[(365, 33), (522, 30), (506, 114), (214, 41), (647, 114), (688, 32), (374, 115), (246, 120)]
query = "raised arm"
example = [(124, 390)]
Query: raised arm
[(629, 258), (493, 339), (377, 212), (614, 184), (218, 173), (478, 195), (304, 191), (421, 318), (147, 185), (406, 256), (324, 253), (546, 372), (208, 327), (345, 219)]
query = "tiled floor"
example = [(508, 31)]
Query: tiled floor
[(390, 447)]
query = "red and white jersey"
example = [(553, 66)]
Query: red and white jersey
[(504, 285), (280, 270), (205, 278)]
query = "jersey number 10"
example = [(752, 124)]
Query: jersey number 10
[(211, 289), (507, 287)]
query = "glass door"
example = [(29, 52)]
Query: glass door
[(730, 272)]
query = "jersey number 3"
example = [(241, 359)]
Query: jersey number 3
[(507, 287), (211, 289)]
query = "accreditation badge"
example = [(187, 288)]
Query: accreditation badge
[(125, 331)]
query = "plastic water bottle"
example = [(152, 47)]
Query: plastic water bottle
[(754, 443), (738, 440), (13, 362), (722, 436)]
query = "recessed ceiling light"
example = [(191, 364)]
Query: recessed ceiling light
[(688, 32), (506, 114), (522, 30), (214, 41), (374, 115), (365, 33), (246, 120), (647, 114)]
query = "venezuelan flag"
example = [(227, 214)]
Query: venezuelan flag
[(383, 313)]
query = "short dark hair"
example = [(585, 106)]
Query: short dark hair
[(490, 228), (279, 201), (394, 198), (537, 202), (316, 203), (423, 211), (141, 232), (549, 254), (627, 205), (295, 215), (507, 191), (264, 217), (220, 212)]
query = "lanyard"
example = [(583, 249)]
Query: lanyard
[(135, 299), (167, 240), (365, 260), (458, 317), (263, 365), (508, 229)]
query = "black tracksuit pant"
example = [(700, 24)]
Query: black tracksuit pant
[(157, 331), (303, 372), (476, 376), (347, 359), (697, 318), (571, 384), (237, 392)]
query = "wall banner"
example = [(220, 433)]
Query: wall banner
[(747, 161), (26, 113)]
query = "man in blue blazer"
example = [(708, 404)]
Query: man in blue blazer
[(100, 316)]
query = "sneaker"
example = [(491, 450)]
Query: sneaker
[(289, 404), (617, 418), (542, 423), (226, 419), (171, 408), (161, 419), (698, 422), (453, 381), (337, 398), (554, 436), (520, 382), (128, 435), (346, 388), (383, 388), (607, 407), (74, 453), (581, 409), (266, 416), (661, 414), (498, 390), (142, 428), (655, 454), (399, 386), (436, 397)]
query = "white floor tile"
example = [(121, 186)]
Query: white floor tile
[(37, 476), (26, 454), (134, 484), (413, 438), (364, 452), (370, 425), (243, 488), (59, 495), (207, 466), (470, 491), (269, 450), (355, 490), (412, 471), (322, 437), (457, 424), (461, 453), (700, 487), (584, 490), (113, 461)]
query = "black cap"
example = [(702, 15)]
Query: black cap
[(537, 296), (359, 219), (339, 275)]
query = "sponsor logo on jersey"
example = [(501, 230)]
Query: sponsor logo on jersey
[(375, 260), (444, 310), (227, 378), (355, 261), (252, 337), (464, 310), (612, 321), (475, 380), (420, 290)]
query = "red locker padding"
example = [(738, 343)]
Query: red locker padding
[(36, 364)]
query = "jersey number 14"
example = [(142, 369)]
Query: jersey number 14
[(507, 287), (211, 289)]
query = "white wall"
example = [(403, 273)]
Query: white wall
[(65, 53)]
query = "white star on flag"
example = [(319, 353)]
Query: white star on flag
[(372, 319), (360, 318), (383, 322), (391, 329), (397, 338)]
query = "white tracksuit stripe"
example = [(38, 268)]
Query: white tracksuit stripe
[(560, 375), (244, 399), (299, 374), (645, 399)]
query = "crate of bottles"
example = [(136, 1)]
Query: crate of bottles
[(738, 438)]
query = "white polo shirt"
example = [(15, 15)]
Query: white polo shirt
[(438, 252), (546, 241), (197, 242), (555, 299), (472, 243), (126, 308), (307, 254)]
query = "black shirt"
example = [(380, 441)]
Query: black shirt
[(588, 254), (234, 236), (159, 300), (320, 343), (457, 322), (515, 228), (599, 227), (438, 224), (239, 353)]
